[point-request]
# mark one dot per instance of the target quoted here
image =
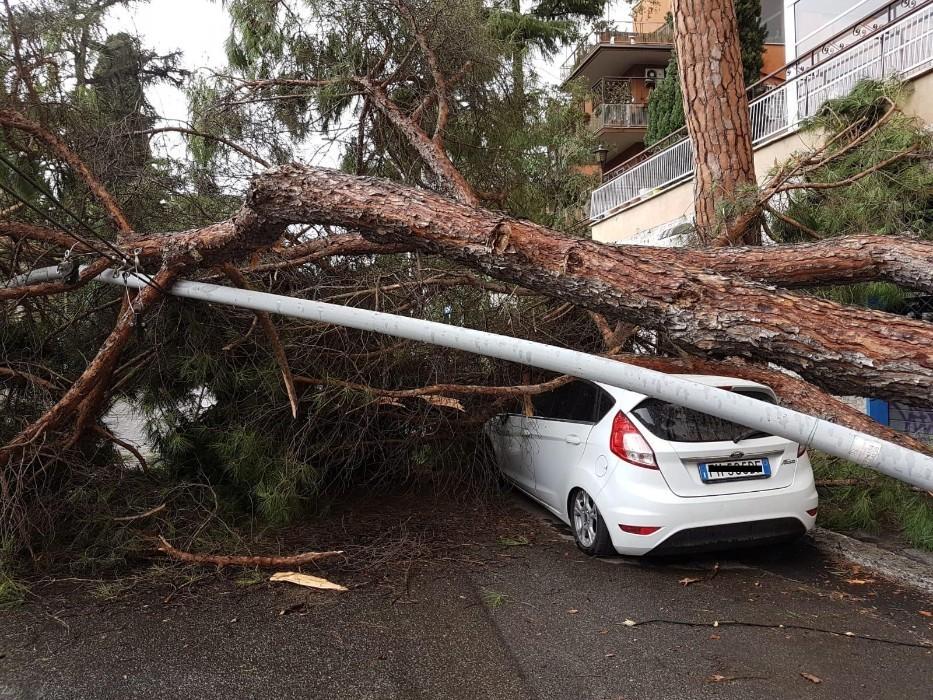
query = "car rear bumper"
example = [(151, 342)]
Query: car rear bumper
[(704, 523), (713, 538)]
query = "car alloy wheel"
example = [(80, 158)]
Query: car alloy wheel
[(585, 518)]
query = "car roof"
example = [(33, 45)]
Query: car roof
[(707, 379)]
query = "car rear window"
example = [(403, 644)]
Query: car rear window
[(678, 424)]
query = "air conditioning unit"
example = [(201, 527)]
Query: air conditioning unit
[(653, 75)]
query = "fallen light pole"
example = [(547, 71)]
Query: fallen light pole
[(883, 456)]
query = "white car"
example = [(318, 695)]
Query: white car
[(636, 475)]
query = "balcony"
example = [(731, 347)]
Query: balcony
[(619, 114), (600, 53), (614, 115)]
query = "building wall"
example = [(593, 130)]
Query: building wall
[(650, 12), (773, 59), (653, 214)]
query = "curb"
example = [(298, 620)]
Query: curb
[(891, 566)]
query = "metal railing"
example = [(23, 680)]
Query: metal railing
[(632, 34), (630, 114), (902, 49)]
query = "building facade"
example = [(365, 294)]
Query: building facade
[(646, 196)]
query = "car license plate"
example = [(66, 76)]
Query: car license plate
[(734, 470)]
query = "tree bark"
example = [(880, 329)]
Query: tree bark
[(98, 373), (903, 260), (431, 149), (212, 245), (244, 560), (845, 350), (709, 57)]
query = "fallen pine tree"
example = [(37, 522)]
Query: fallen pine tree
[(305, 230)]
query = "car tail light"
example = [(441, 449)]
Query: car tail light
[(639, 529), (801, 451), (812, 512), (627, 443)]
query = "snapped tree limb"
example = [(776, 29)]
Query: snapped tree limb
[(844, 350)]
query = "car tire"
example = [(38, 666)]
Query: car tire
[(589, 529)]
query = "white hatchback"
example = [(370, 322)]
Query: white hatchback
[(636, 475)]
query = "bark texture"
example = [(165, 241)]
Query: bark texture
[(212, 245), (95, 378), (844, 350), (903, 260), (709, 58)]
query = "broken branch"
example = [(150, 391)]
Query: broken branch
[(265, 562)]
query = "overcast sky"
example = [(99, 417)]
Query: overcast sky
[(198, 28)]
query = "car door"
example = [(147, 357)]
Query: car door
[(561, 425), (514, 449)]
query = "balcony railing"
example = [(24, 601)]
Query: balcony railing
[(629, 115), (631, 34), (902, 49)]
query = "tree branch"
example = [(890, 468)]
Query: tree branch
[(265, 320), (14, 120), (266, 562), (845, 350), (440, 389), (201, 134)]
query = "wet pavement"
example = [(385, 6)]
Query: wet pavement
[(486, 616)]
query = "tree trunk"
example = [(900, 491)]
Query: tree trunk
[(845, 350), (709, 58), (903, 260)]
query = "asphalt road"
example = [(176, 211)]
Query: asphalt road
[(483, 617)]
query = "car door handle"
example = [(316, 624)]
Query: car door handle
[(572, 439)]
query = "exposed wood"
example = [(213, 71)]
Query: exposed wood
[(307, 581), (265, 562), (845, 350)]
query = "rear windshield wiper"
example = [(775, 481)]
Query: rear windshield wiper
[(749, 434)]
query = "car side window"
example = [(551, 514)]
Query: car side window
[(577, 401)]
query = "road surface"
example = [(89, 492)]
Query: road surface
[(447, 601)]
